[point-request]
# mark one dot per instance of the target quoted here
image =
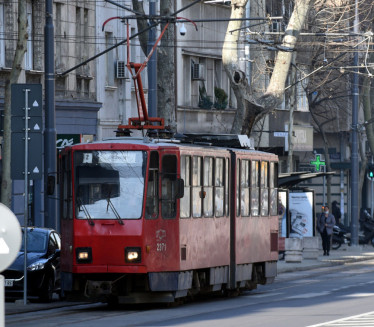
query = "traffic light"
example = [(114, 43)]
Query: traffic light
[(370, 170)]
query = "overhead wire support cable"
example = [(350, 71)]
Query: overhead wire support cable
[(106, 50), (133, 36)]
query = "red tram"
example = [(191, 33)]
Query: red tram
[(146, 220)]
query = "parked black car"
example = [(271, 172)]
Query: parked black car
[(43, 266)]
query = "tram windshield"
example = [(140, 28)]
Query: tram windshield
[(109, 184)]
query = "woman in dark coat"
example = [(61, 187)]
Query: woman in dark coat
[(325, 224)]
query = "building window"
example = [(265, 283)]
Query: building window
[(60, 86), (86, 88), (79, 86), (109, 41), (2, 38), (29, 48)]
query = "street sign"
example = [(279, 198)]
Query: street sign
[(67, 140), (280, 134), (10, 237), (35, 102), (35, 159), (32, 94), (35, 124)]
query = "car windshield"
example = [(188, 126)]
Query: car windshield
[(36, 241), (109, 184)]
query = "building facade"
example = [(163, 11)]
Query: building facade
[(76, 104)]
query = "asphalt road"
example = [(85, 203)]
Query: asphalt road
[(316, 297)]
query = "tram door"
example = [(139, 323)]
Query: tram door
[(161, 212), (66, 211)]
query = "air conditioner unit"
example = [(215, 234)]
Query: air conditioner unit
[(196, 71), (120, 69)]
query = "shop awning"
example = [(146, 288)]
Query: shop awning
[(289, 180)]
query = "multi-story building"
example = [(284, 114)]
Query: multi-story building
[(76, 105)]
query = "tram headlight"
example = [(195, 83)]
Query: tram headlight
[(83, 255), (133, 255)]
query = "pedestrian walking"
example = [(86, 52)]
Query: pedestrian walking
[(325, 224)]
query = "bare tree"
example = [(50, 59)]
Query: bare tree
[(6, 185), (329, 87), (250, 109)]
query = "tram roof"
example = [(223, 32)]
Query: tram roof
[(219, 142)]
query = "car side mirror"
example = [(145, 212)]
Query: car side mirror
[(180, 188)]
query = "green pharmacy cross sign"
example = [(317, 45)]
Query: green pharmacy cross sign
[(317, 162)]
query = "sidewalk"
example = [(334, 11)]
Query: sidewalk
[(345, 254)]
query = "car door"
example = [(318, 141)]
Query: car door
[(54, 247)]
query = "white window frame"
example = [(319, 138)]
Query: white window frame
[(109, 41), (2, 36), (30, 46)]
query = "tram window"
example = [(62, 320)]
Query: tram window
[(255, 188), (264, 189), (67, 206), (185, 202), (219, 187), (244, 188), (197, 191), (237, 188), (151, 206), (208, 187), (110, 184), (227, 187), (169, 186), (273, 183)]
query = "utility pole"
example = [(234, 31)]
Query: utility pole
[(50, 165), (354, 156), (152, 66)]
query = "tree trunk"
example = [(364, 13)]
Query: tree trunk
[(250, 110), (290, 123), (142, 24), (6, 185), (166, 69)]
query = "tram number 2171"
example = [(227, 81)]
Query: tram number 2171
[(161, 247)]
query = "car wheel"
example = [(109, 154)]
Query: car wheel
[(47, 291)]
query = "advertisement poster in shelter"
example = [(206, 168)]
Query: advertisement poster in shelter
[(300, 206)]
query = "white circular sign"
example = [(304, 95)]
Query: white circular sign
[(10, 237)]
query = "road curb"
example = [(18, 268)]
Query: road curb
[(325, 263)]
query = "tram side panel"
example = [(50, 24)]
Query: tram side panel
[(256, 225), (204, 242)]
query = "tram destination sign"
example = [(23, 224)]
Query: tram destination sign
[(30, 96)]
